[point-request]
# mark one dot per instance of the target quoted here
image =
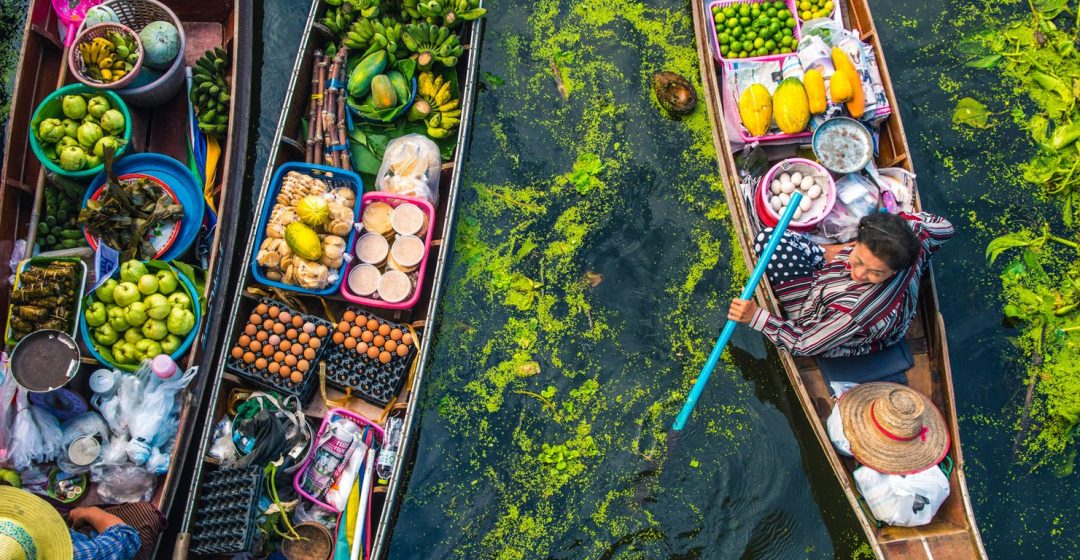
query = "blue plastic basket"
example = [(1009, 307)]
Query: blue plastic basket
[(334, 178)]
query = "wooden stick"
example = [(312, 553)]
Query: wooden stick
[(342, 127), (309, 156), (328, 115), (318, 121)]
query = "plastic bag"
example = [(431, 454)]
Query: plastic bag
[(903, 500), (856, 197), (222, 450), (901, 183), (835, 426), (410, 167), (88, 424), (158, 402), (122, 483), (35, 434), (7, 409)]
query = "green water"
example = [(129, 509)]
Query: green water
[(601, 189)]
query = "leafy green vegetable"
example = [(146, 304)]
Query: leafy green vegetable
[(972, 113)]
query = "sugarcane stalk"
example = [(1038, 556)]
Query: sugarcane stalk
[(309, 156), (328, 114), (342, 132), (318, 111)]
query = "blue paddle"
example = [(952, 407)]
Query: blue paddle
[(729, 327)]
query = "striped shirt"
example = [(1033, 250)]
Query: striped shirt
[(119, 542), (832, 315)]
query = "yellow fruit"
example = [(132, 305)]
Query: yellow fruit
[(857, 105), (815, 91), (303, 241), (791, 108), (313, 210), (841, 61), (755, 109), (840, 87)]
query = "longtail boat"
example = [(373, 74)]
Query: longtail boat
[(293, 144), (161, 130), (953, 532)]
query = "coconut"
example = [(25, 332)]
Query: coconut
[(675, 93)]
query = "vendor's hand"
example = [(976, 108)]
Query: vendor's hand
[(82, 515), (832, 250), (742, 310)]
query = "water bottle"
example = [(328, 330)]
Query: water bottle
[(384, 465)]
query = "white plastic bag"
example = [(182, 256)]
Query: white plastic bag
[(856, 197), (410, 166), (835, 426), (122, 483), (903, 500), (7, 409), (157, 403)]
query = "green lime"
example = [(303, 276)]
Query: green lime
[(750, 35), (759, 42), (745, 20), (729, 12), (770, 44), (744, 10), (723, 38), (790, 24), (786, 41), (774, 26), (748, 45), (715, 10), (755, 11), (761, 52), (779, 5), (804, 5), (731, 22), (743, 54), (736, 32), (771, 12), (723, 50)]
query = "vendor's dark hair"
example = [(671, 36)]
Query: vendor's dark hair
[(889, 238)]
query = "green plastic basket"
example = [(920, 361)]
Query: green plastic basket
[(51, 108)]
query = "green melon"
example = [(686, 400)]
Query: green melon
[(161, 44)]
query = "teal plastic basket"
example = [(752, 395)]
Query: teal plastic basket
[(51, 108)]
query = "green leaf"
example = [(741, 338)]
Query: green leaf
[(972, 113), (1009, 241), (985, 62), (548, 392), (492, 80), (1050, 8)]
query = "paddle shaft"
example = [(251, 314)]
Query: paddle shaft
[(729, 327)]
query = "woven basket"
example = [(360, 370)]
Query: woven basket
[(78, 66), (137, 14)]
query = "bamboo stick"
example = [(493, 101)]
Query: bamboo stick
[(342, 132), (318, 121), (309, 155), (329, 114)]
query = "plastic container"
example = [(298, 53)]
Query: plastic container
[(76, 303), (367, 377), (71, 15), (820, 208), (189, 287), (165, 241), (360, 421), (78, 66), (394, 200), (334, 178), (725, 3), (731, 106), (136, 14), (51, 107), (180, 180), (227, 510)]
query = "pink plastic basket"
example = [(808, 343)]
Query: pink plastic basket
[(792, 165), (731, 107), (348, 414), (394, 200), (724, 3)]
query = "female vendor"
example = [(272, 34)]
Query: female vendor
[(851, 299)]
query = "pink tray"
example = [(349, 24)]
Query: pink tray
[(730, 99), (716, 43), (360, 420), (394, 200)]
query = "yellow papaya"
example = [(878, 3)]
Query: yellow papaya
[(755, 109), (840, 87), (791, 108), (841, 61), (382, 92), (815, 91), (857, 105)]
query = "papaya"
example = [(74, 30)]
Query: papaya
[(857, 105), (401, 87), (841, 61), (840, 87), (755, 109), (360, 79), (303, 241), (791, 108), (815, 91), (383, 95)]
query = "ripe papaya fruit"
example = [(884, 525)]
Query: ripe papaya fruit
[(815, 91), (840, 87), (755, 109), (857, 105), (383, 95), (841, 61), (361, 76), (791, 108), (401, 87)]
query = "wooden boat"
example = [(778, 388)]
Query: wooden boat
[(287, 147), (42, 69), (953, 532)]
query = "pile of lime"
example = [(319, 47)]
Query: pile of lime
[(758, 29), (812, 9)]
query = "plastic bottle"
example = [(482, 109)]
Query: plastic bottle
[(163, 366), (384, 466)]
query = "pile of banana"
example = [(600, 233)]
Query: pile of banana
[(210, 92), (436, 105), (370, 35), (432, 43), (110, 58), (341, 13), (446, 13)]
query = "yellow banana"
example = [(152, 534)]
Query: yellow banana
[(449, 105), (106, 62), (443, 94), (107, 74)]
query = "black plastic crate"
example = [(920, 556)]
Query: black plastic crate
[(368, 377), (228, 506), (269, 376)]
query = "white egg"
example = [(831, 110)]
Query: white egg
[(798, 214), (814, 192), (806, 183), (806, 203), (775, 187), (785, 178), (796, 177), (787, 188), (775, 203), (785, 198)]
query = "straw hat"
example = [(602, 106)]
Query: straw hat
[(893, 429), (31, 528)]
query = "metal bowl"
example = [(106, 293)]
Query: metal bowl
[(843, 145)]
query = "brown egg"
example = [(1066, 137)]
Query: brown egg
[(390, 345), (273, 311), (309, 327), (250, 330), (362, 348), (315, 343), (320, 331), (261, 308), (244, 341), (285, 317), (360, 320), (261, 336), (274, 340), (296, 349), (255, 346), (279, 328), (284, 371), (290, 360), (402, 350), (355, 332), (304, 338), (278, 356), (343, 326), (372, 324), (338, 338), (273, 367), (395, 334), (268, 324), (384, 329), (291, 334), (367, 336), (348, 316), (297, 321), (285, 345), (379, 341), (296, 377), (384, 357), (268, 350), (303, 365), (249, 357), (373, 352), (309, 353), (255, 318), (350, 343), (406, 339), (237, 352), (260, 363)]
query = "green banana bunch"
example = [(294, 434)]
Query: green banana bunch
[(432, 43), (371, 35), (436, 105), (210, 92), (446, 13), (342, 15)]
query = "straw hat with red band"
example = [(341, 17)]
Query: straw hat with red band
[(893, 429), (30, 529)]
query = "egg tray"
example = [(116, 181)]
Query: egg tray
[(226, 515), (375, 382), (265, 379)]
